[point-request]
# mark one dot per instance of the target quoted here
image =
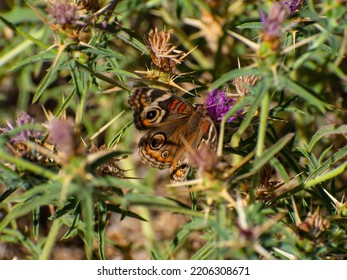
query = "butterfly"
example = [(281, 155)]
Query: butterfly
[(172, 127)]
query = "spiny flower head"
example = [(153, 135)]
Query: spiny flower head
[(24, 135), (273, 22), (241, 84), (314, 223), (63, 11), (218, 104), (19, 137), (294, 5)]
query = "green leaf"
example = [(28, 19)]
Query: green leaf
[(40, 57), (24, 127), (303, 93), (206, 252), (323, 154), (18, 238), (268, 154), (102, 218), (196, 224), (70, 207), (100, 52), (15, 15), (34, 198), (326, 176), (341, 154), (309, 156), (127, 213), (25, 34), (10, 179), (156, 202), (66, 103), (49, 77), (124, 73), (257, 96), (130, 38), (251, 25), (36, 222), (271, 152), (330, 50), (326, 131), (51, 239), (238, 107), (75, 225), (281, 170), (87, 212), (119, 135)]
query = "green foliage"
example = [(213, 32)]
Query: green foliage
[(278, 186)]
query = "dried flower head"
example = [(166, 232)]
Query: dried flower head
[(218, 104), (163, 53), (110, 167), (64, 11), (294, 5), (242, 84), (273, 22), (314, 223)]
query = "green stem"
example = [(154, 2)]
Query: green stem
[(47, 249), (220, 219), (147, 229), (263, 124), (235, 143), (221, 138), (261, 140)]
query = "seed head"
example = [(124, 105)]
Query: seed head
[(242, 82), (163, 53)]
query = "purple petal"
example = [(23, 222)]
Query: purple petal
[(272, 23), (218, 105)]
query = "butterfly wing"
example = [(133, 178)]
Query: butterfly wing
[(163, 115), (201, 134), (159, 146), (173, 128), (153, 107)]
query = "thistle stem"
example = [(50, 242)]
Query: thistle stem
[(263, 124)]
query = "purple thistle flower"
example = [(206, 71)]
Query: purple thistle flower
[(24, 135), (218, 104), (62, 135), (63, 11), (272, 23), (294, 5)]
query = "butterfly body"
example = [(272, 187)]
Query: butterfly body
[(171, 126)]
